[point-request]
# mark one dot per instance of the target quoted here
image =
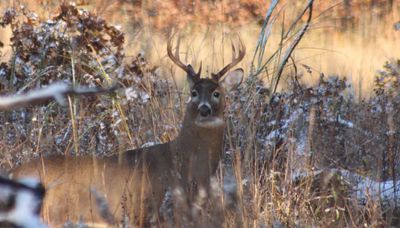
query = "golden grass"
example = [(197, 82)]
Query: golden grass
[(355, 53)]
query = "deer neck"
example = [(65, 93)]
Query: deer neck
[(197, 151), (197, 140)]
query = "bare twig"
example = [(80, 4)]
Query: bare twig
[(264, 34), (21, 202), (5, 182), (57, 91)]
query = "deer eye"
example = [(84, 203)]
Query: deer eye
[(194, 93), (216, 94)]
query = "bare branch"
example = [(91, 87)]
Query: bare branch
[(264, 34), (57, 91), (294, 44)]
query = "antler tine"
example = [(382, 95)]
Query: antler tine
[(235, 60), (233, 50), (199, 72), (175, 58)]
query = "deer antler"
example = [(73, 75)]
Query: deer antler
[(175, 58), (235, 60)]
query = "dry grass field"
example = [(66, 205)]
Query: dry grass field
[(313, 145)]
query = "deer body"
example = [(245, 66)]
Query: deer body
[(135, 182)]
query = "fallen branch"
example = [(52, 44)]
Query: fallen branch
[(58, 91)]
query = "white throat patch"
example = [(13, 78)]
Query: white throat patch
[(212, 123)]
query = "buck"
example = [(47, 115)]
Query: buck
[(135, 182)]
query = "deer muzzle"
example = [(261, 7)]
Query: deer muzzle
[(204, 110)]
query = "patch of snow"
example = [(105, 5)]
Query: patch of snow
[(144, 97), (366, 188), (281, 132), (131, 94), (2, 72), (347, 123), (149, 144), (363, 187)]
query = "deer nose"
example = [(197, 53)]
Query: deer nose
[(204, 110)]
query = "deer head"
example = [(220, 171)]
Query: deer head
[(207, 95)]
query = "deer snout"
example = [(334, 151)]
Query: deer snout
[(204, 110)]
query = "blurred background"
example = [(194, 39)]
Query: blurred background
[(349, 38)]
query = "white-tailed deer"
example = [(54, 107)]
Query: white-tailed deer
[(135, 182)]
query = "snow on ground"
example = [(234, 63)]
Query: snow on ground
[(364, 188)]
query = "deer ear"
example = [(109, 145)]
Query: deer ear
[(233, 79)]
